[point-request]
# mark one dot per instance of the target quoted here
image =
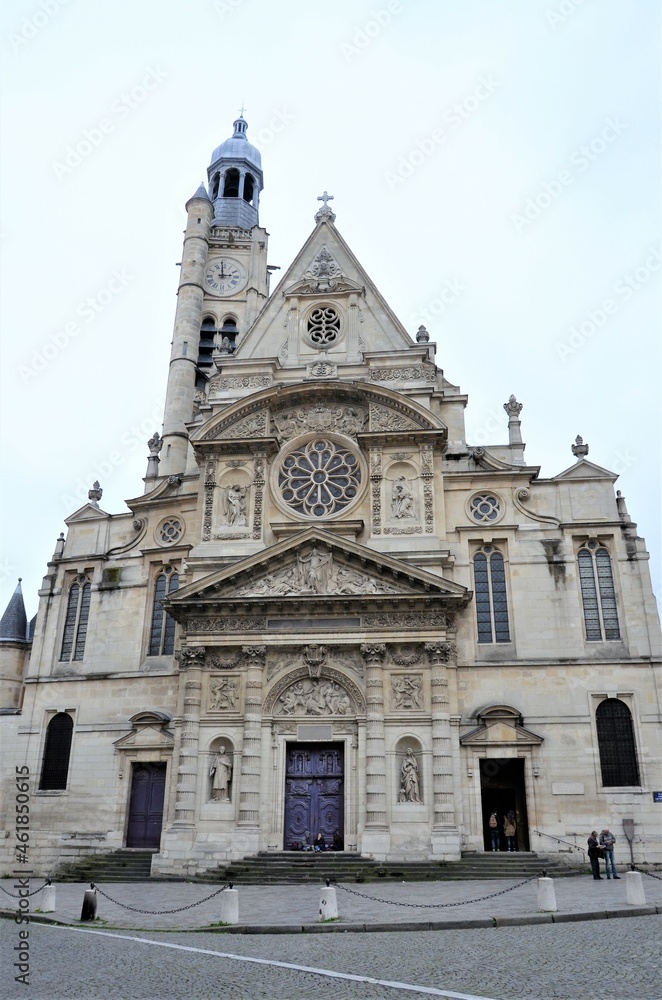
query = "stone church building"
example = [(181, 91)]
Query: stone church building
[(327, 611)]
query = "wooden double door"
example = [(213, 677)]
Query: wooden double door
[(314, 792), (146, 805)]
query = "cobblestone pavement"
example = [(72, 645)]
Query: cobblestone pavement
[(582, 960), (296, 906)]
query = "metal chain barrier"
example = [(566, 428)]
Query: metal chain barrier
[(178, 909), (650, 874), (13, 896), (432, 906)]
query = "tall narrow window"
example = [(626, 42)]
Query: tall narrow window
[(598, 595), (491, 596), (162, 633), (618, 752), (231, 185), (57, 750), (75, 623)]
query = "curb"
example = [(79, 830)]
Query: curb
[(526, 920)]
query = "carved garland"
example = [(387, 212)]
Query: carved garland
[(376, 489), (210, 486), (427, 475), (426, 372), (258, 482)]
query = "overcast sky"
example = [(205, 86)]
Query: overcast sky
[(494, 167)]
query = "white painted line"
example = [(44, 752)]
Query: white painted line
[(427, 990)]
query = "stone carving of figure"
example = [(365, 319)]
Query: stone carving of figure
[(402, 500), (314, 570), (313, 697), (407, 691), (234, 507), (409, 789), (220, 773), (223, 694)]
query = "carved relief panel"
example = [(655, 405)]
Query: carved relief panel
[(402, 495)]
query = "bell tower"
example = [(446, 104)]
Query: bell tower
[(224, 283)]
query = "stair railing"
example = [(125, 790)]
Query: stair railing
[(559, 840)]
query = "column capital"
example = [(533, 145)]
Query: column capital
[(254, 653), (191, 656), (440, 652), (373, 652)]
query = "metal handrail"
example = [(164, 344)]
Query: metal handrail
[(559, 840)]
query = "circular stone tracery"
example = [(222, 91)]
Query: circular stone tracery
[(319, 478)]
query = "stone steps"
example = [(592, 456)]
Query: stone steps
[(120, 866)]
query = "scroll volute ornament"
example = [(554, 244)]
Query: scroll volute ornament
[(373, 652)]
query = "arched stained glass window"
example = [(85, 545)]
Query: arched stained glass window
[(76, 621), (598, 594), (490, 595), (162, 632), (57, 750), (618, 751)]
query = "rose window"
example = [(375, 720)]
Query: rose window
[(484, 508), (170, 531), (319, 478), (323, 326)]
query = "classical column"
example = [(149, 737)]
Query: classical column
[(191, 662), (375, 751), (442, 754), (251, 756)]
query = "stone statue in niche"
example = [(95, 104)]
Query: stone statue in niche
[(220, 773), (409, 786), (407, 691), (234, 505), (402, 498), (314, 697), (223, 694)]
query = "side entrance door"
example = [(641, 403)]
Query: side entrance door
[(314, 792), (146, 805), (503, 791)]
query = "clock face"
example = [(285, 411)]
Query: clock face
[(224, 276)]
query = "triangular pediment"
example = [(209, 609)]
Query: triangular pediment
[(586, 470), (316, 564), (324, 272), (87, 513), (146, 738), (500, 732)]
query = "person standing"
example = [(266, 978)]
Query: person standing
[(494, 830), (594, 854), (607, 841), (510, 829)]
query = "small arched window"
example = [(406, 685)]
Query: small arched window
[(162, 632), (618, 751), (75, 623), (57, 750), (491, 596), (231, 185), (228, 335), (249, 188), (598, 594), (214, 186)]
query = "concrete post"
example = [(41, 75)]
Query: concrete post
[(89, 910), (328, 903), (48, 899), (230, 906), (634, 885), (547, 895)]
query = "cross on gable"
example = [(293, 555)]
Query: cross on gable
[(325, 198)]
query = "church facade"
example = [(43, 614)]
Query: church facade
[(328, 612)]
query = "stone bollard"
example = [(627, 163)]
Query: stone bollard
[(89, 910), (547, 895), (634, 885), (48, 899), (230, 906), (328, 903)]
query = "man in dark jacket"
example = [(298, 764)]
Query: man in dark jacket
[(594, 854)]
